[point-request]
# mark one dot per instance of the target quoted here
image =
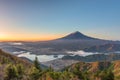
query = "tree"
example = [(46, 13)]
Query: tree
[(34, 73), (107, 75), (20, 70), (50, 69), (37, 64), (11, 72)]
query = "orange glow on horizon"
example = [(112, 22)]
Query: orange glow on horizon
[(28, 37), (39, 37), (20, 39)]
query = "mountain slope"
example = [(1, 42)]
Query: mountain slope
[(97, 70), (77, 35), (8, 58), (72, 42), (12, 66), (104, 48), (90, 67)]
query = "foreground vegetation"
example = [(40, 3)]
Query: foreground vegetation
[(13, 68)]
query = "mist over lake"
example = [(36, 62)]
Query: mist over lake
[(45, 58), (41, 58)]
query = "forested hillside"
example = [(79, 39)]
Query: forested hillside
[(13, 68)]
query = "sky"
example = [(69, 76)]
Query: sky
[(38, 20)]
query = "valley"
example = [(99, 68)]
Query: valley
[(62, 52)]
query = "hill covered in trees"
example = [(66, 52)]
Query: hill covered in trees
[(13, 68)]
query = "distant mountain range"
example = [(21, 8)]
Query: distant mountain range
[(77, 41), (73, 42)]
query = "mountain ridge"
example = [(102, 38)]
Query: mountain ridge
[(77, 36), (104, 48)]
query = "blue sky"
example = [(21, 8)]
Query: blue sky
[(56, 18)]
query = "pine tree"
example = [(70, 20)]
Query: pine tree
[(11, 72), (37, 64), (50, 69), (20, 70), (34, 73)]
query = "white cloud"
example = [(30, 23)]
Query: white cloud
[(81, 53)]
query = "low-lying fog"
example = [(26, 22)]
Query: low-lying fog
[(81, 53), (41, 58), (44, 58)]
